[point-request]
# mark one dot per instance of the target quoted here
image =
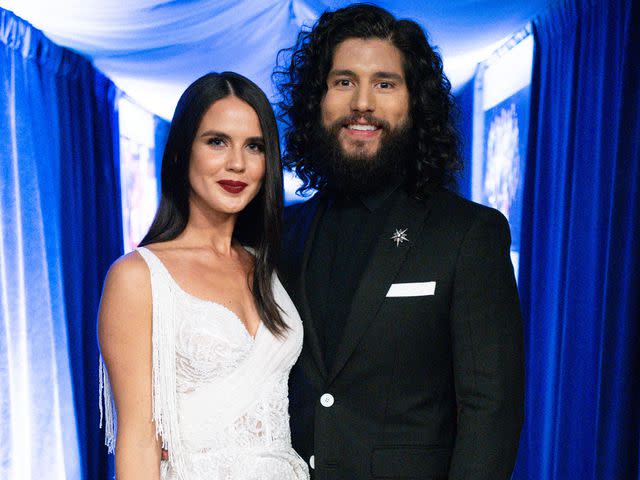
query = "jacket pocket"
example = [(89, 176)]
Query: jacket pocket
[(410, 462)]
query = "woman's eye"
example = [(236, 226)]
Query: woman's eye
[(256, 147)]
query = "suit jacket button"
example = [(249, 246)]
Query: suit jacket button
[(312, 462), (326, 400)]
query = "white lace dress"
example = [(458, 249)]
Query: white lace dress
[(220, 396)]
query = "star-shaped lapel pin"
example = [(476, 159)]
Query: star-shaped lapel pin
[(400, 236)]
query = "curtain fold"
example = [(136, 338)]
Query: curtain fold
[(60, 229), (580, 258)]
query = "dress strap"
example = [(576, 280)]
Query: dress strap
[(156, 267)]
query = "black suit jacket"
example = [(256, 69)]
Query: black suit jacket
[(422, 387)]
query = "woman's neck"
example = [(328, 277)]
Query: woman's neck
[(209, 229)]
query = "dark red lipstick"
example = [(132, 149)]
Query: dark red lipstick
[(232, 186)]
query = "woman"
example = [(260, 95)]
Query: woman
[(196, 331)]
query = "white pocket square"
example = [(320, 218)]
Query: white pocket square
[(414, 289)]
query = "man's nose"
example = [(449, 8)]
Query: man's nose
[(363, 100)]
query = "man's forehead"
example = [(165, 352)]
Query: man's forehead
[(367, 56)]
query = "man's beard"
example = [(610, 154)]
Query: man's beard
[(360, 172)]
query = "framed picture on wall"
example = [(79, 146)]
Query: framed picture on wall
[(500, 129)]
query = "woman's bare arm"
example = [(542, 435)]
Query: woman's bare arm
[(124, 328)]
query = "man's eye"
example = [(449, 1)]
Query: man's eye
[(343, 82), (385, 85), (215, 141)]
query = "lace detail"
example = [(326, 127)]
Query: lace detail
[(202, 353), (267, 423), (230, 464)]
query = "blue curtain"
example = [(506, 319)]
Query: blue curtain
[(580, 260), (60, 229)]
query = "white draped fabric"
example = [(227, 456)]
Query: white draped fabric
[(152, 49)]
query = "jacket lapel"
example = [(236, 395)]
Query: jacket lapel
[(407, 215)]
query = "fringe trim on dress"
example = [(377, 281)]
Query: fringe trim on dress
[(164, 398)]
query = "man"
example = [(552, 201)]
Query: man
[(412, 365)]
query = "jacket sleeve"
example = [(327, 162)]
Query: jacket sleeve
[(488, 356)]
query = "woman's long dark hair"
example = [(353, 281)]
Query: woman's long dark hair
[(301, 80), (259, 224)]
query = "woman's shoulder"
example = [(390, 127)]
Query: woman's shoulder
[(129, 265), (125, 307), (127, 274)]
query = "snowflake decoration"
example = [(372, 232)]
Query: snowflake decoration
[(400, 236)]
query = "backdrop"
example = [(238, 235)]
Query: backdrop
[(60, 230), (580, 257)]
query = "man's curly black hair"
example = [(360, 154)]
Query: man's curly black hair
[(300, 78)]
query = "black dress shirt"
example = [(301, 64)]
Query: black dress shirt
[(340, 252)]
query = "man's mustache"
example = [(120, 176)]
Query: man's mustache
[(357, 117)]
